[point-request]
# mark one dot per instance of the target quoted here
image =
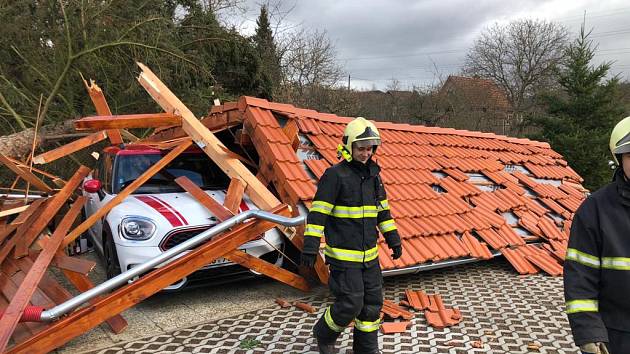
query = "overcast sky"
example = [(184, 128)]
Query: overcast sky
[(416, 41)]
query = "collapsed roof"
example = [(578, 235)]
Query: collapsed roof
[(454, 194)]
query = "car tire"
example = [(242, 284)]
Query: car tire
[(112, 265)]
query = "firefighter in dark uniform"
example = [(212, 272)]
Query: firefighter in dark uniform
[(348, 208), (597, 266)]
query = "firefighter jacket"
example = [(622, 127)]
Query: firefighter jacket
[(349, 205), (597, 265)]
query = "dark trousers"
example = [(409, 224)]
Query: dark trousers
[(358, 296), (618, 341)]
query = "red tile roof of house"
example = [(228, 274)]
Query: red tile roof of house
[(454, 194), (477, 92)]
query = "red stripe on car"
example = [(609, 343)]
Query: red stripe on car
[(181, 217), (160, 208)]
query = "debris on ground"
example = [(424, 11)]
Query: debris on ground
[(305, 307)]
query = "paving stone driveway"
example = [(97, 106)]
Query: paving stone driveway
[(506, 312)]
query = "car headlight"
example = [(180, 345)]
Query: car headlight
[(137, 228)]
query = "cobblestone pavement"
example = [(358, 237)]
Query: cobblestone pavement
[(505, 312)]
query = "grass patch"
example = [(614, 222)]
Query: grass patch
[(249, 343)]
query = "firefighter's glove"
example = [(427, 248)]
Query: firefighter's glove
[(308, 260), (594, 348), (397, 252)]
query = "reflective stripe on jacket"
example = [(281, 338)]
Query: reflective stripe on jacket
[(597, 265), (349, 208)]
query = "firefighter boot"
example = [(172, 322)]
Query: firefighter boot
[(325, 337)]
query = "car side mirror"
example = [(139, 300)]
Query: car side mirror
[(92, 186)]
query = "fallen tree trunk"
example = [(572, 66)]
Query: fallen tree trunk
[(19, 144)]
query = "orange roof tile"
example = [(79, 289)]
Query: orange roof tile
[(317, 166), (522, 265), (429, 175)]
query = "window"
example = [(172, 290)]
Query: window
[(197, 166)]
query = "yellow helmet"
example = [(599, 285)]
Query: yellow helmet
[(360, 131), (620, 138)]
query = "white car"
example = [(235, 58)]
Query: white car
[(160, 214)]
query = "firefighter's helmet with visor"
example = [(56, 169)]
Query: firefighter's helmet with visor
[(620, 139), (360, 132)]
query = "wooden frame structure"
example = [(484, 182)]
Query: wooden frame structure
[(27, 249)]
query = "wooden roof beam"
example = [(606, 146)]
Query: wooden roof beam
[(82, 320), (27, 288), (69, 148), (204, 138), (127, 121), (25, 174), (102, 109)]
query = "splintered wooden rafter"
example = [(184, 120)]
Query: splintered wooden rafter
[(126, 192), (204, 138), (234, 195), (56, 180), (25, 174), (102, 109), (236, 255), (148, 120), (216, 150), (80, 321), (69, 148)]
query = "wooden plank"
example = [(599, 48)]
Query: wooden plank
[(28, 212), (82, 283), (33, 169), (25, 175), (291, 130), (69, 148), (210, 144), (62, 261), (5, 231), (48, 285), (127, 121), (125, 192), (22, 332), (123, 298), (234, 195), (207, 201), (12, 238), (13, 211), (214, 148), (74, 264), (102, 109), (51, 209), (28, 286), (39, 297), (8, 289), (268, 269)]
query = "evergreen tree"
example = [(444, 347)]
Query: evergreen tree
[(268, 54), (579, 119)]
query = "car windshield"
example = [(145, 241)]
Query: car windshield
[(197, 166)]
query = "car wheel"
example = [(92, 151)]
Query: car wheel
[(112, 266)]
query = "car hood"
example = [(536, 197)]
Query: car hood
[(173, 210)]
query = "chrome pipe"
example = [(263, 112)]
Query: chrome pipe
[(164, 259)]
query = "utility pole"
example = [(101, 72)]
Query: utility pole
[(348, 82)]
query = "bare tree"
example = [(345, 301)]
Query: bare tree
[(308, 61), (520, 57)]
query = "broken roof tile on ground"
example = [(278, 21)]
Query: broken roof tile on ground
[(454, 194)]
